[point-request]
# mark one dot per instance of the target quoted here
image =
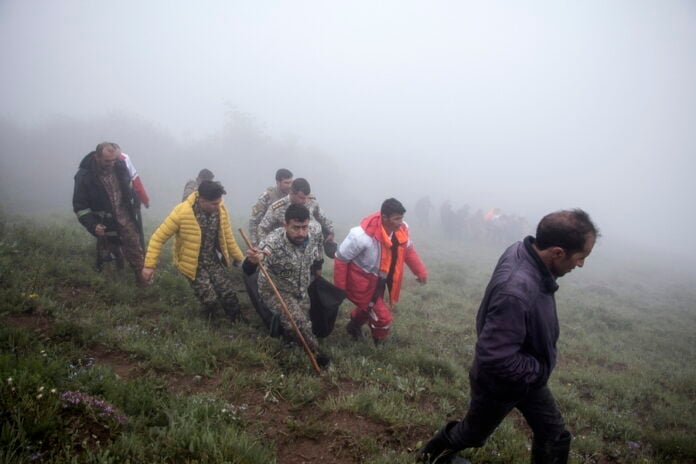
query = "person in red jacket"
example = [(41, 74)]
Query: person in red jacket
[(370, 260)]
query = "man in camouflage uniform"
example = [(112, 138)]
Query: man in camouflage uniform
[(107, 206), (271, 195), (204, 245), (192, 184), (320, 227), (292, 259)]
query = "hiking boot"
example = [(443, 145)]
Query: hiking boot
[(552, 452), (354, 330), (323, 360), (438, 449), (232, 308), (209, 311)]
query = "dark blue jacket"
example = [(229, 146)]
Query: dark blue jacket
[(517, 325)]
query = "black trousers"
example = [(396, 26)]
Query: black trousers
[(487, 410)]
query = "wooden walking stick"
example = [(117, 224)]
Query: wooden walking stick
[(285, 309)]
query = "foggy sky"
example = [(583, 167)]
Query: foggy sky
[(530, 106)]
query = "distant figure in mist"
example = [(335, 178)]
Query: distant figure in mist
[(448, 219), (192, 185), (204, 246), (283, 178), (370, 260), (108, 207), (320, 226), (422, 210), (515, 353)]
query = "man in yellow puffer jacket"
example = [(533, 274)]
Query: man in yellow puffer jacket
[(203, 246)]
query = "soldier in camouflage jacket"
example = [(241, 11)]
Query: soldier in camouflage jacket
[(271, 195), (321, 227), (292, 259)]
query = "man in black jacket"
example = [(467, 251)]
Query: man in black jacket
[(106, 205), (517, 329)]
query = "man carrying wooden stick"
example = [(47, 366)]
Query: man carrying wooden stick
[(292, 259)]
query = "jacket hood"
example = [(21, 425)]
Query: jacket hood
[(372, 224), (86, 162)]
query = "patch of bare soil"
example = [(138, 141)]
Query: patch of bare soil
[(37, 321), (121, 363), (308, 435), (300, 435)]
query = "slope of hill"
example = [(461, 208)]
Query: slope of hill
[(94, 370)]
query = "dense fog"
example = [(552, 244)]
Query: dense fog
[(528, 107)]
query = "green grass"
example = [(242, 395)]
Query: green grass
[(199, 390)]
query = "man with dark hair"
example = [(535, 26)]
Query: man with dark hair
[(320, 226), (370, 260), (203, 246), (283, 179), (107, 206), (192, 185), (292, 259), (517, 329)]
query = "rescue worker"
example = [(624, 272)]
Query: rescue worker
[(192, 185), (204, 245), (292, 259), (107, 206), (370, 260), (517, 328), (321, 227), (283, 179)]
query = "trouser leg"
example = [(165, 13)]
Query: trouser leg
[(225, 291), (299, 310), (484, 415), (380, 319), (203, 289), (131, 247), (551, 443)]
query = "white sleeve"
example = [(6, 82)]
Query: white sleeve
[(352, 246), (131, 167)]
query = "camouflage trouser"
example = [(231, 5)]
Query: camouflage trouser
[(127, 244), (299, 309), (213, 284), (131, 247)]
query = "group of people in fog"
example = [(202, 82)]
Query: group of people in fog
[(290, 237), (492, 226)]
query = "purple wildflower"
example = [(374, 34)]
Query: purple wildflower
[(101, 407)]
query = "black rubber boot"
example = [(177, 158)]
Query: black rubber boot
[(232, 308), (209, 311), (438, 450), (323, 360), (354, 330), (552, 452)]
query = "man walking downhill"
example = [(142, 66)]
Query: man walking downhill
[(370, 260), (204, 245), (107, 206), (292, 258), (515, 353)]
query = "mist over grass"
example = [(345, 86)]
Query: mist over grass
[(192, 389)]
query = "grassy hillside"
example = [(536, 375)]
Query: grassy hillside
[(94, 370)]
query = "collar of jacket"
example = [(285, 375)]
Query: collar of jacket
[(549, 282)]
